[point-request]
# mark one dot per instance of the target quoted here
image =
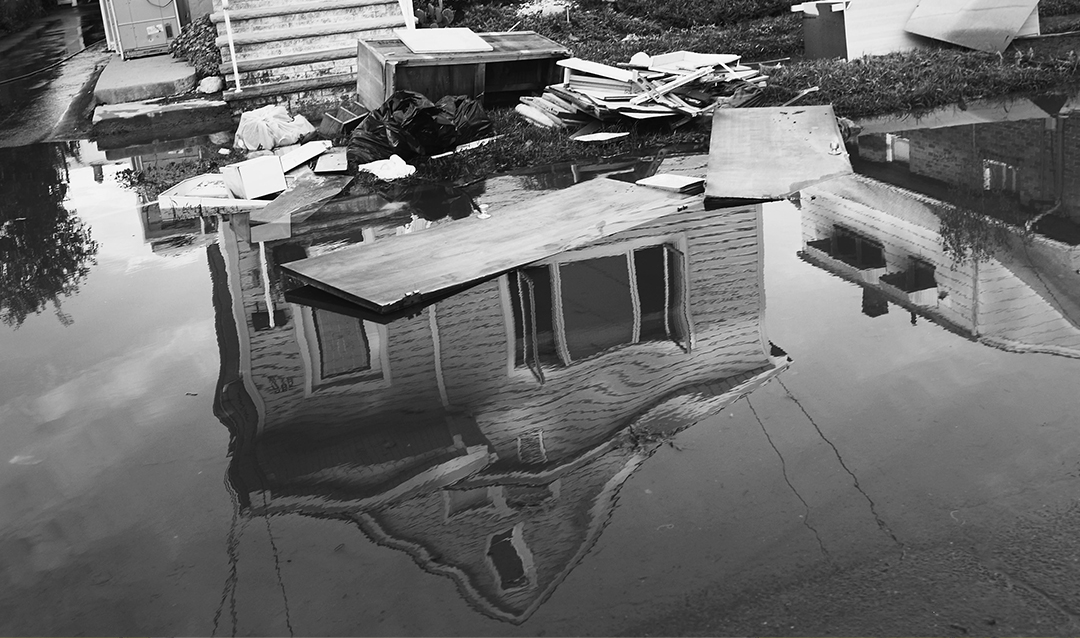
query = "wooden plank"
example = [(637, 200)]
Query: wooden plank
[(984, 25), (388, 274), (595, 68), (769, 153)]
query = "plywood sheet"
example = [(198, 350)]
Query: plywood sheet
[(407, 269), (984, 25), (449, 40), (876, 27), (769, 153)]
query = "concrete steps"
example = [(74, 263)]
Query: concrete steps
[(297, 50)]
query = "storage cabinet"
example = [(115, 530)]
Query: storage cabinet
[(520, 62)]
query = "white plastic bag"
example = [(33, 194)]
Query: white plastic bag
[(388, 169), (270, 126)]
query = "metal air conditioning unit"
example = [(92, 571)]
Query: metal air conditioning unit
[(137, 28)]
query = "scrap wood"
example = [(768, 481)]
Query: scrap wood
[(538, 117), (472, 249), (468, 146), (548, 107), (670, 86), (306, 196), (303, 153), (595, 68)]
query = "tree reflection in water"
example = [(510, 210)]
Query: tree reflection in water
[(45, 251), (976, 222)]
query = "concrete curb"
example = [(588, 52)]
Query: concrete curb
[(140, 79)]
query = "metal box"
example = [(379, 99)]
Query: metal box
[(140, 27)]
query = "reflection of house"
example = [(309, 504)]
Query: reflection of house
[(489, 434), (1029, 159), (1006, 301)]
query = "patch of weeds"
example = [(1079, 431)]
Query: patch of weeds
[(1048, 8), (152, 180), (690, 13), (918, 81), (524, 145), (611, 37)]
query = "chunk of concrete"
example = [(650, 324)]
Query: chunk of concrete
[(157, 76), (212, 84)]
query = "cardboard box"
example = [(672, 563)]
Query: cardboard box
[(256, 177)]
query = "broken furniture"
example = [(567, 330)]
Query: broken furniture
[(519, 62), (342, 120), (853, 28)]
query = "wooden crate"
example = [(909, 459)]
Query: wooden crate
[(520, 62)]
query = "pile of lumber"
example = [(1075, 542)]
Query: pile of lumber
[(679, 85)]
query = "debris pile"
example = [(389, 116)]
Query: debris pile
[(680, 85), (196, 44)]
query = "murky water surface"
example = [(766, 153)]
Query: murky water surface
[(735, 422)]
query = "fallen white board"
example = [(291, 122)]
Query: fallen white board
[(450, 40), (983, 25)]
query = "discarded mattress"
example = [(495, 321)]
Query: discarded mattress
[(770, 153)]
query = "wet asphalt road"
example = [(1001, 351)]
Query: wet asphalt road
[(47, 76)]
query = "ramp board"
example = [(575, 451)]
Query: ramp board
[(404, 270), (984, 25), (770, 153)]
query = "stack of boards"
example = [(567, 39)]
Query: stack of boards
[(673, 85)]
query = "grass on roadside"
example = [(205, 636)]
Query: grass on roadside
[(611, 37), (920, 80)]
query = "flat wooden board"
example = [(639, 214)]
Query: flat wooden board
[(595, 68), (519, 45), (334, 161), (449, 40), (769, 153), (670, 182), (984, 25), (406, 269)]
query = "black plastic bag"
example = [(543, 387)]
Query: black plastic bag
[(470, 120), (409, 125)]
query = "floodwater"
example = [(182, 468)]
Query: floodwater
[(851, 414)]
